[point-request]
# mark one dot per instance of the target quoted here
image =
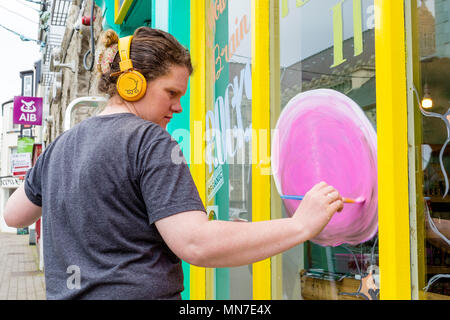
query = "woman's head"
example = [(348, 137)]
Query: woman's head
[(153, 52)]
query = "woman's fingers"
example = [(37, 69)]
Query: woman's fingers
[(335, 206), (333, 196)]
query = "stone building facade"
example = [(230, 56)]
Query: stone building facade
[(68, 63)]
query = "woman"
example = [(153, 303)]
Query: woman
[(119, 214)]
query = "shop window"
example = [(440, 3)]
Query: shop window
[(326, 48), (432, 99), (12, 126), (228, 132)]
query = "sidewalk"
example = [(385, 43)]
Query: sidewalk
[(20, 278)]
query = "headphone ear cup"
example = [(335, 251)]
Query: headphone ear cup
[(131, 85)]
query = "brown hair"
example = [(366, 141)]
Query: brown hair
[(152, 52)]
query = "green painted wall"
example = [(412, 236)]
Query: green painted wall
[(179, 127), (138, 15)]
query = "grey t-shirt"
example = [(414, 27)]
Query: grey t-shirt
[(102, 185)]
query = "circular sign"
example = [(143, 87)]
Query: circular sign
[(322, 135)]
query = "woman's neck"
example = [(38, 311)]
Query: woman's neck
[(115, 105)]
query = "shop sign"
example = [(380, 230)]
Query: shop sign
[(20, 163), (27, 110), (215, 182), (10, 182), (25, 145)]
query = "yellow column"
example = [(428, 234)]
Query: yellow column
[(121, 10), (394, 245), (198, 114), (275, 110), (417, 218), (261, 136)]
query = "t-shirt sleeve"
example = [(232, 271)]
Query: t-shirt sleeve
[(32, 184), (165, 180)]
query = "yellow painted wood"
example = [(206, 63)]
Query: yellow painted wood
[(261, 136), (210, 76), (121, 13), (420, 254), (394, 246), (198, 115), (417, 218)]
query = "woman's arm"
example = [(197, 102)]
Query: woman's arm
[(226, 244), (20, 212)]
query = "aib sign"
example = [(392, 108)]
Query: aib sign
[(27, 110)]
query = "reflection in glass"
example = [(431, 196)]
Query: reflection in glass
[(434, 48)]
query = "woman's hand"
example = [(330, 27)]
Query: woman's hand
[(317, 207)]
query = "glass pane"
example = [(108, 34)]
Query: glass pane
[(325, 130), (228, 130), (434, 52)]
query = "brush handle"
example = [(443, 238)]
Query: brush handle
[(292, 197), (346, 200)]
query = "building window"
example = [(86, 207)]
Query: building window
[(12, 126)]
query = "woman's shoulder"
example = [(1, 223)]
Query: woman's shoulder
[(130, 124)]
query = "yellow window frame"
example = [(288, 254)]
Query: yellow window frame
[(262, 279), (197, 118), (120, 12), (393, 198), (392, 134)]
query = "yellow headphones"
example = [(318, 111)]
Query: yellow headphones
[(131, 84)]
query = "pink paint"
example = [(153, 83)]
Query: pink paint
[(324, 136)]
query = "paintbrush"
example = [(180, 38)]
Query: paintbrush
[(346, 200)]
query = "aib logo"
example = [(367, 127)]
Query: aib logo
[(27, 106), (27, 110)]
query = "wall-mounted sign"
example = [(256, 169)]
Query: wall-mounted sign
[(27, 110), (215, 182), (25, 145), (27, 132), (20, 163)]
